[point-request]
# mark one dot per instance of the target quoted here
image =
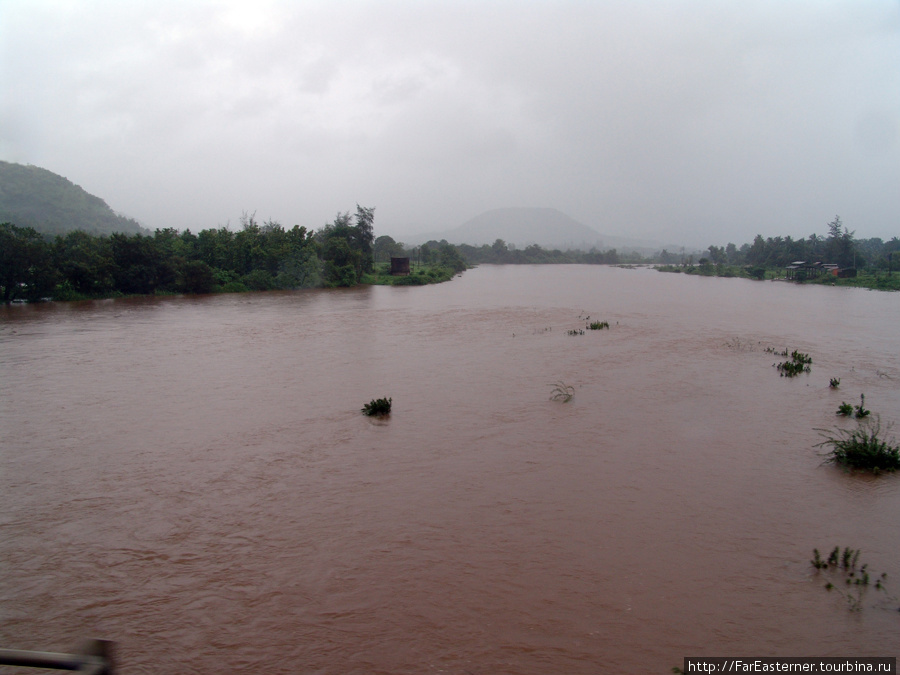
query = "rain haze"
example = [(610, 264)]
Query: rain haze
[(688, 122)]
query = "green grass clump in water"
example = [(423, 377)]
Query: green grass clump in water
[(862, 448), (842, 566), (380, 406)]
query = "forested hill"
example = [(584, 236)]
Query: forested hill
[(34, 197)]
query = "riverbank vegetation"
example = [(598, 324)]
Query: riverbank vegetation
[(257, 257), (267, 256), (865, 263), (502, 253)]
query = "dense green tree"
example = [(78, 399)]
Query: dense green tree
[(449, 257), (298, 262), (757, 255), (667, 258), (814, 248), (732, 255), (138, 265), (247, 252), (365, 237), (717, 255), (25, 264), (195, 276), (427, 252), (839, 248), (343, 244), (385, 247), (84, 263), (258, 280), (339, 257), (593, 257), (190, 245), (499, 251), (170, 244), (214, 247)]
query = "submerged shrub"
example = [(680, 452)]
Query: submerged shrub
[(800, 357), (842, 566), (598, 325), (862, 448), (791, 368), (379, 406), (846, 560), (562, 392), (799, 363), (861, 408)]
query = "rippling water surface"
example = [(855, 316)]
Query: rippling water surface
[(192, 477)]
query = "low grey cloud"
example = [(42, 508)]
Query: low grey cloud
[(692, 121)]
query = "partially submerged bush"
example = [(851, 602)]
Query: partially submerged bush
[(846, 409), (843, 566), (562, 392), (380, 406), (849, 559), (792, 368), (862, 448), (799, 363), (861, 408), (598, 325)]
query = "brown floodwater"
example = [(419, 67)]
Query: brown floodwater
[(192, 477)]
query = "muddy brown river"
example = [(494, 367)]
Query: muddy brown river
[(192, 478)]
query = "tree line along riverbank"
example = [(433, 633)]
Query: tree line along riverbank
[(257, 257), (267, 256), (837, 258)]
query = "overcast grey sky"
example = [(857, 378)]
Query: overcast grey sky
[(684, 122)]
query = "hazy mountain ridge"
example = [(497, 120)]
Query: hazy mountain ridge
[(549, 228), (34, 197)]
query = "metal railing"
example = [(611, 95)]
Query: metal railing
[(94, 658)]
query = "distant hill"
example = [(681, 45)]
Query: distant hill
[(546, 227), (34, 197)]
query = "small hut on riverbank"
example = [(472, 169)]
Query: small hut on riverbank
[(399, 266), (800, 270)]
